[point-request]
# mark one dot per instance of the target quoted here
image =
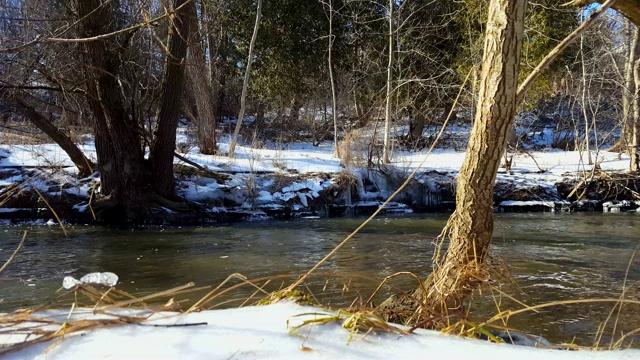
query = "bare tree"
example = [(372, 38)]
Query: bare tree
[(635, 143), (387, 113), (163, 149), (470, 228), (199, 86), (585, 113), (245, 84), (334, 106)]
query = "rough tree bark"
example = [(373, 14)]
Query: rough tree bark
[(161, 156), (200, 88), (118, 141), (84, 165), (470, 228), (627, 95)]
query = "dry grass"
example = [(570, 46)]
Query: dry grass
[(38, 326), (354, 150), (358, 322)]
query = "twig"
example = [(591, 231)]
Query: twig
[(633, 192), (15, 252), (175, 325), (553, 54), (64, 230), (534, 160), (39, 39), (590, 176), (381, 207)]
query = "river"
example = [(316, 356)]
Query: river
[(551, 257)]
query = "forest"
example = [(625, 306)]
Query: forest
[(128, 73), (193, 112)]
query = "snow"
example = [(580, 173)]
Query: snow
[(305, 158), (265, 332), (526, 203), (293, 175)]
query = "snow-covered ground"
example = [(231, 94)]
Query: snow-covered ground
[(304, 157), (265, 332), (274, 179)]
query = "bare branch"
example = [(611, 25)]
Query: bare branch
[(39, 39), (553, 54)]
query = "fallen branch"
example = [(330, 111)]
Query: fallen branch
[(201, 170)]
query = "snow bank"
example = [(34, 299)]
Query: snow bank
[(264, 333)]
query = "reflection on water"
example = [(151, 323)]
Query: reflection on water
[(550, 256)]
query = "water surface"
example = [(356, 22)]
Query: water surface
[(550, 256)]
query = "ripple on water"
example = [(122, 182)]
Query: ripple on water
[(551, 257)]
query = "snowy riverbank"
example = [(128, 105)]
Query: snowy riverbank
[(265, 333), (298, 179)]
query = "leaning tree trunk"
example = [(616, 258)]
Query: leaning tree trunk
[(84, 165), (470, 228), (161, 157), (628, 92)]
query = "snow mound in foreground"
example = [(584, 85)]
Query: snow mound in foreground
[(264, 333)]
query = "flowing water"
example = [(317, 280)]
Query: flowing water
[(551, 257)]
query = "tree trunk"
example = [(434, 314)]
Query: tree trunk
[(334, 107), (416, 126), (635, 143), (585, 114), (118, 141), (164, 146), (470, 228), (200, 89), (387, 113), (245, 84), (296, 104), (84, 165), (628, 91)]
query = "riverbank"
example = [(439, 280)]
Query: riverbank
[(271, 333), (304, 180)]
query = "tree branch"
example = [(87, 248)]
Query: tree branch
[(39, 39), (553, 54)]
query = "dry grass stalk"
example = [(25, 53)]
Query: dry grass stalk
[(64, 230), (391, 197), (38, 326), (358, 322), (16, 251)]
